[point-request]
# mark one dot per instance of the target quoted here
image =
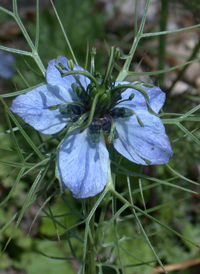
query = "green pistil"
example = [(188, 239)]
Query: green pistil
[(92, 111), (110, 66), (92, 67), (80, 72), (79, 123), (99, 100), (114, 56), (111, 135)]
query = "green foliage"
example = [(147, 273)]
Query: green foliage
[(34, 262), (61, 213), (148, 218)]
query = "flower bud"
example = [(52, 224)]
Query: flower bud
[(117, 53)]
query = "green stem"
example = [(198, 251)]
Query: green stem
[(27, 37), (133, 210), (90, 241), (162, 39), (123, 73)]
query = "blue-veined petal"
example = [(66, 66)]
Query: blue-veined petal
[(156, 97), (143, 145), (82, 165), (33, 108), (54, 77)]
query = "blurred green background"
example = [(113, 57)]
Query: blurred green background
[(35, 247)]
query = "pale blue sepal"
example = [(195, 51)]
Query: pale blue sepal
[(82, 166), (33, 108), (143, 145)]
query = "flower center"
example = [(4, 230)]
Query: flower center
[(98, 103), (95, 107)]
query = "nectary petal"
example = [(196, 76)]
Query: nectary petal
[(82, 166)]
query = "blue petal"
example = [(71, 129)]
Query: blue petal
[(143, 145), (83, 166), (156, 97), (33, 106), (54, 77)]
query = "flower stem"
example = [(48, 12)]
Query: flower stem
[(90, 241)]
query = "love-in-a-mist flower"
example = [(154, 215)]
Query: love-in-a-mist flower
[(91, 108)]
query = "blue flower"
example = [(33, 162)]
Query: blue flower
[(91, 108)]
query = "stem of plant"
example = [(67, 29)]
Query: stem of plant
[(91, 239), (162, 39)]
